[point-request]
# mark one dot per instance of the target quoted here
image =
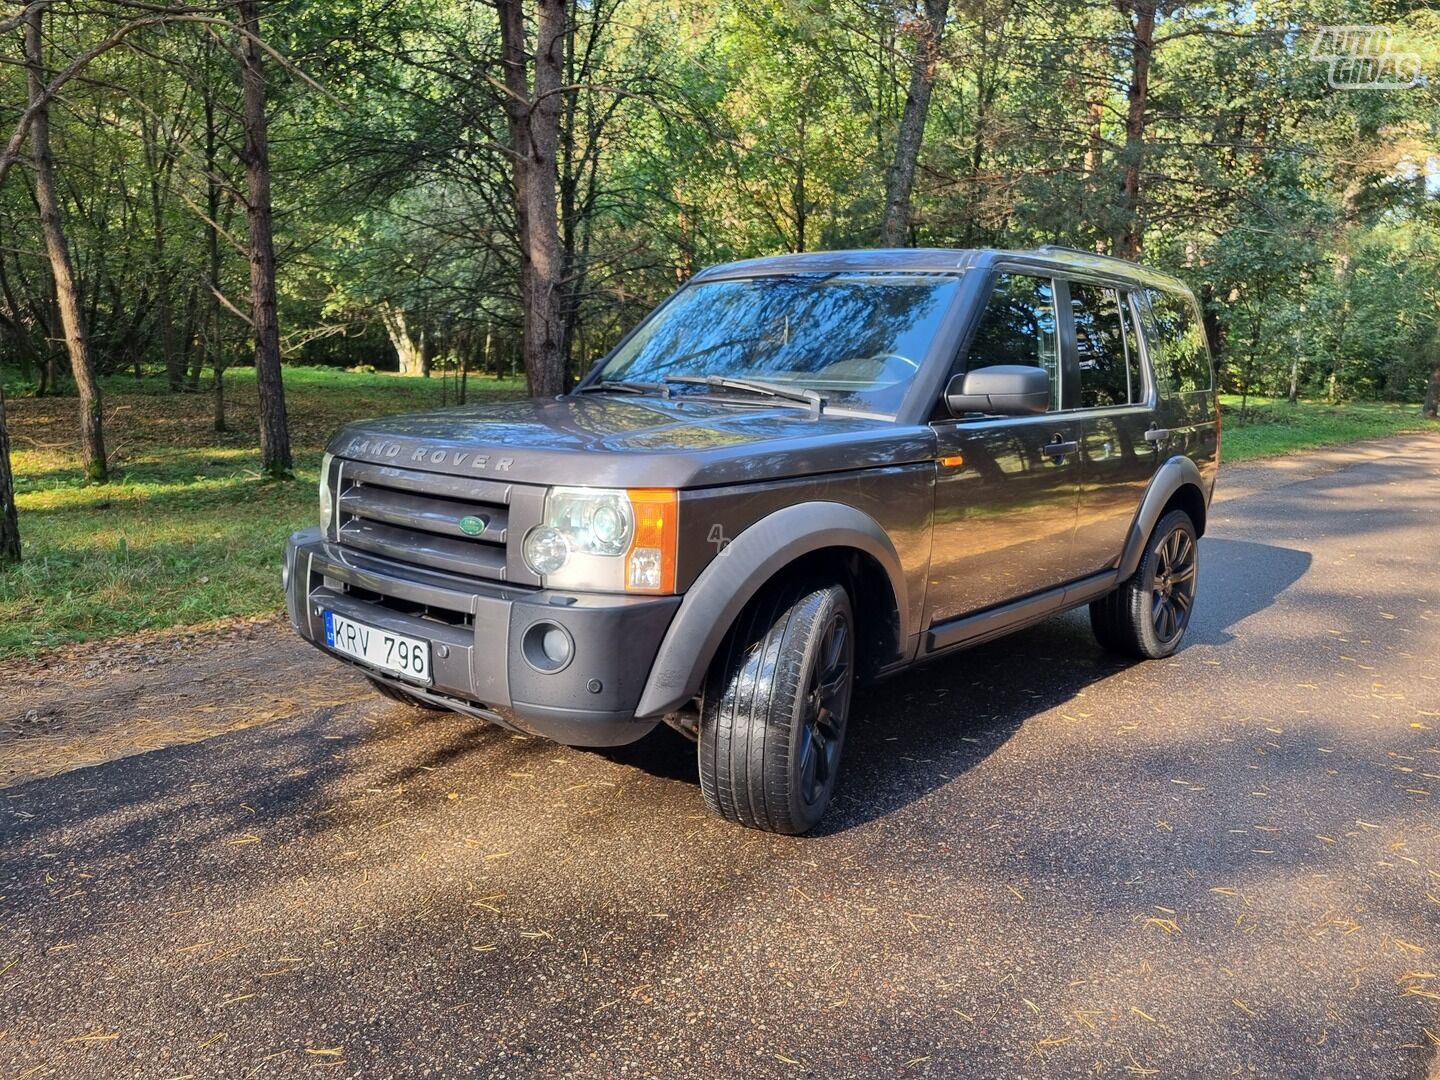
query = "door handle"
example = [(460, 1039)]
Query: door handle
[(1057, 450), (1159, 434)]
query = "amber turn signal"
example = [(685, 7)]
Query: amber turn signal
[(650, 562)]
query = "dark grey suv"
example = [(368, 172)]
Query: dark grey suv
[(797, 472)]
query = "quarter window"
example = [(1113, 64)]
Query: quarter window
[(1182, 361), (1018, 327), (1103, 344)]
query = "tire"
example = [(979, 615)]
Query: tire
[(1148, 615), (774, 709), (394, 693)]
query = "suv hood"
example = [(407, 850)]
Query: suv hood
[(607, 440)]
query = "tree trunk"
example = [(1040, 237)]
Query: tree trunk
[(895, 228), (157, 162), (1297, 345), (517, 118), (1432, 395), (398, 331), (214, 347), (274, 425), (534, 123), (427, 352), (799, 195), (1141, 16), (67, 291), (1094, 155), (190, 331), (24, 346), (9, 520), (218, 420)]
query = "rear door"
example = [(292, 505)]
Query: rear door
[(1006, 488), (1114, 412)]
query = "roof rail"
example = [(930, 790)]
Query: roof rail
[(1082, 251)]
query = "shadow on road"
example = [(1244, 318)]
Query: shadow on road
[(919, 730), (1238, 579), (908, 736)]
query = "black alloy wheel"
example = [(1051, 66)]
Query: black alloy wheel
[(1173, 583)]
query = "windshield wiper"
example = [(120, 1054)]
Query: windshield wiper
[(801, 394), (617, 386)]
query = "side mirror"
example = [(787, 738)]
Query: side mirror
[(1002, 390)]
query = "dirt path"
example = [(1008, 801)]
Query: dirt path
[(93, 702)]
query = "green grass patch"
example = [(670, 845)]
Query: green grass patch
[(1273, 426), (188, 530)]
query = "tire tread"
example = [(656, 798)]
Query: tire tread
[(747, 730)]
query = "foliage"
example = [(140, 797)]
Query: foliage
[(696, 133)]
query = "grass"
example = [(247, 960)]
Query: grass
[(187, 531), (1273, 426)]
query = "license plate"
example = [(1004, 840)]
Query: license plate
[(379, 648)]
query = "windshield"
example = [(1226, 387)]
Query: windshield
[(856, 338)]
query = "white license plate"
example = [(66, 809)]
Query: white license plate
[(379, 648)]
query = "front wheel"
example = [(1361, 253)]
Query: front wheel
[(1148, 615), (772, 719)]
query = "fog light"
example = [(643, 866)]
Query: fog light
[(547, 647), (555, 644)]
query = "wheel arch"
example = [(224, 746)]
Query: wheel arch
[(819, 539), (1177, 484)]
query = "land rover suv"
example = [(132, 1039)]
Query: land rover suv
[(796, 473)]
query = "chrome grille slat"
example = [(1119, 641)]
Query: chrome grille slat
[(410, 511), (426, 549)]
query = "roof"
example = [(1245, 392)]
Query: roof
[(937, 260)]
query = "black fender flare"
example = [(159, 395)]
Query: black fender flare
[(734, 576), (1168, 479)]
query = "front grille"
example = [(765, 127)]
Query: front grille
[(415, 517)]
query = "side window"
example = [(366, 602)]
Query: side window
[(1018, 327), (1177, 344), (1100, 342)]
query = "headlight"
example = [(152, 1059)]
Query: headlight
[(609, 540), (327, 497)]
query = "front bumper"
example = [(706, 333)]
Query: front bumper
[(475, 630)]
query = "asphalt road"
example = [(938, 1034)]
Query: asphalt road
[(1044, 863)]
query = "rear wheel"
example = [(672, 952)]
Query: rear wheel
[(394, 693), (1148, 615), (772, 721)]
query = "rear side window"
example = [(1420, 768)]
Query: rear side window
[(1177, 345), (1018, 327), (1105, 346)]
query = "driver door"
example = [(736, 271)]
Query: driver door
[(1007, 489)]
